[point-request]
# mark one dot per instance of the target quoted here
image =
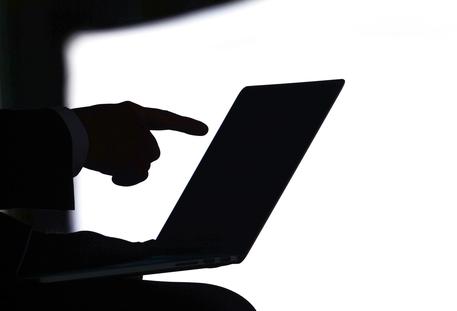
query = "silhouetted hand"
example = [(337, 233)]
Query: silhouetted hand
[(120, 141), (83, 249)]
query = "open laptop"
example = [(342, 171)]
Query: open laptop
[(237, 183)]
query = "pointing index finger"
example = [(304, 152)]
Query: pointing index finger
[(156, 119)]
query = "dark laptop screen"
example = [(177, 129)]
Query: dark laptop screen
[(248, 165)]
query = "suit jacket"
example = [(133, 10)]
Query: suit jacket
[(36, 173)]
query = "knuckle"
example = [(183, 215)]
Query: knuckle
[(155, 154), (129, 103)]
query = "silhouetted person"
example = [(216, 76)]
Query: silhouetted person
[(42, 150)]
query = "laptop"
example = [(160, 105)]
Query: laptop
[(236, 185)]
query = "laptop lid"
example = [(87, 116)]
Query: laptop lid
[(248, 165)]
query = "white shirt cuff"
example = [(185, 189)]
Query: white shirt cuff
[(79, 138)]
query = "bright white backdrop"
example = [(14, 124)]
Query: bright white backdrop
[(369, 221)]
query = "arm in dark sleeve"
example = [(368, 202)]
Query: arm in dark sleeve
[(14, 239), (36, 160), (95, 14)]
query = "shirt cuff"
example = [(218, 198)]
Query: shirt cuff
[(79, 138)]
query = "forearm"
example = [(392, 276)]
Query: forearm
[(14, 238), (36, 160)]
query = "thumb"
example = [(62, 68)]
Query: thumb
[(127, 179)]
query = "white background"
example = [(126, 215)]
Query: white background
[(369, 221)]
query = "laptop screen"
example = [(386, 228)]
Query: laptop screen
[(248, 165)]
